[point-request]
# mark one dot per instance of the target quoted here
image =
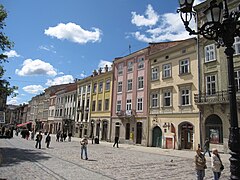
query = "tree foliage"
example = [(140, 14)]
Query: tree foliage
[(5, 44)]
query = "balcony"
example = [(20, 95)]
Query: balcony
[(120, 113), (220, 97)]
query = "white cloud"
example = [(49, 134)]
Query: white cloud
[(168, 28), (13, 100), (150, 19), (103, 63), (74, 33), (48, 48), (11, 54), (33, 89), (36, 67), (60, 80)]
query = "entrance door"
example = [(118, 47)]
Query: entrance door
[(157, 137), (139, 133), (104, 131), (187, 136)]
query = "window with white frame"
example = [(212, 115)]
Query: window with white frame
[(211, 84), (106, 104), (236, 45), (100, 87), (119, 86), (94, 87), (129, 105), (167, 98), (210, 53), (107, 86), (119, 105), (155, 73), (184, 66), (185, 96), (120, 69), (79, 89), (140, 82), (129, 84), (154, 100), (84, 89), (130, 66), (139, 104), (167, 72), (237, 80), (140, 62)]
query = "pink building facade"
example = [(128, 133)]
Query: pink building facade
[(130, 98)]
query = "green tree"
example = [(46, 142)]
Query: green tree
[(5, 44)]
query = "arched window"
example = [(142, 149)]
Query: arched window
[(214, 129)]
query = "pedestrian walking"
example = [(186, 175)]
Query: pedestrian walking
[(116, 141), (206, 147), (64, 136), (217, 165), (32, 135), (84, 143), (200, 164), (58, 136), (38, 139), (48, 140), (61, 137)]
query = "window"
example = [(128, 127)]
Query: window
[(139, 104), (140, 82), (155, 73), (211, 85), (119, 105), (184, 66), (237, 80), (120, 69), (107, 87), (140, 63), (154, 100), (93, 105), (129, 104), (167, 98), (84, 89), (130, 66), (100, 88), (79, 89), (167, 72), (106, 104), (89, 88), (236, 45), (119, 86), (210, 53), (185, 96), (99, 105), (95, 88), (129, 84)]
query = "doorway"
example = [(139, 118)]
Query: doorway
[(186, 130), (157, 137), (139, 133)]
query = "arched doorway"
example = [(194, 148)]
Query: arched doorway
[(186, 135), (104, 130), (157, 137), (214, 130), (139, 133)]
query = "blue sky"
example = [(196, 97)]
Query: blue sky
[(57, 41)]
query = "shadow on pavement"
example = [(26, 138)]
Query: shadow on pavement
[(13, 156)]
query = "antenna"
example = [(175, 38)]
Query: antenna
[(129, 47)]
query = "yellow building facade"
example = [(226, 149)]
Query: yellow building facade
[(173, 115)]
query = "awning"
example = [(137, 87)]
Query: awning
[(23, 124)]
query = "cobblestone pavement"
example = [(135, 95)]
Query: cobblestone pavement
[(20, 160)]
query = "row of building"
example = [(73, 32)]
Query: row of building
[(170, 94)]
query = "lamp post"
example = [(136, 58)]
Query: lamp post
[(222, 26)]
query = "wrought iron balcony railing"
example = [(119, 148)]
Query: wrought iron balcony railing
[(221, 97)]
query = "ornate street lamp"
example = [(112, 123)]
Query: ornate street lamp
[(223, 31)]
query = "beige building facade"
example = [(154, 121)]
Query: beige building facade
[(173, 115)]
